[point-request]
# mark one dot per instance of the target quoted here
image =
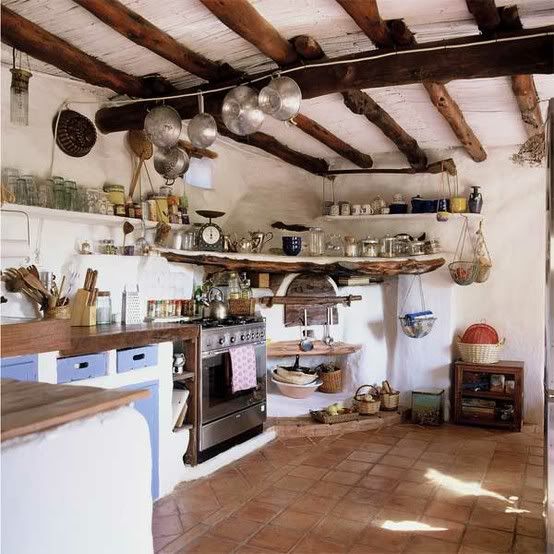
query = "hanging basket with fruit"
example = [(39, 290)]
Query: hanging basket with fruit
[(464, 272)]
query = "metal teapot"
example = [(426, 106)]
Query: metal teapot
[(217, 309), (259, 240), (244, 246)]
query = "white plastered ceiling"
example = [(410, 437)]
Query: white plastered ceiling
[(488, 104)]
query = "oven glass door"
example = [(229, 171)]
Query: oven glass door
[(218, 400)]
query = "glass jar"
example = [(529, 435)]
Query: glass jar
[(32, 190), (316, 245), (46, 193), (334, 246), (70, 188), (370, 247), (81, 203), (93, 201), (107, 247), (350, 247), (10, 175), (58, 193), (187, 243), (234, 286), (103, 308), (21, 192)]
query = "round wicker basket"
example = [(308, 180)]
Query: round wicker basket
[(480, 353), (332, 381), (366, 407)]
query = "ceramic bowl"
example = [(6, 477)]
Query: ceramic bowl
[(292, 245), (297, 391)]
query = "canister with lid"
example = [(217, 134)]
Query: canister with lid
[(369, 247)]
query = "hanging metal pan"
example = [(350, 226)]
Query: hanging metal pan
[(171, 162)]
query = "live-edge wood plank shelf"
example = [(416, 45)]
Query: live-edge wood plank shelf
[(282, 349)]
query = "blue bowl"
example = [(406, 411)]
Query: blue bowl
[(292, 245)]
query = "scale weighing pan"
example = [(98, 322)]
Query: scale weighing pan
[(210, 214)]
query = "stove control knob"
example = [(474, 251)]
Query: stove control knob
[(222, 340), (248, 336), (242, 337), (233, 339), (262, 333)]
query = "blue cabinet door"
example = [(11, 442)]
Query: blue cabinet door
[(22, 368), (149, 408)]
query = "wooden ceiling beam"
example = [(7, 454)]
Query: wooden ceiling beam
[(468, 60), (450, 110), (270, 144), (307, 47), (138, 29), (523, 85), (321, 134), (28, 37), (398, 34), (360, 103), (244, 19)]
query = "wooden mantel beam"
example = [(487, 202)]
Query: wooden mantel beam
[(320, 133), (245, 20), (492, 20), (360, 103), (42, 45), (513, 55), (138, 29)]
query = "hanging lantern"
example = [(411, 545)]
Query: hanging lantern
[(202, 128), (19, 93)]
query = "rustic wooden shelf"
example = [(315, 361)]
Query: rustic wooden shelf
[(185, 376), (405, 217), (271, 263), (487, 394), (282, 349)]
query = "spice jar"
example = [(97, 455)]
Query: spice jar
[(317, 241), (119, 209), (103, 308), (334, 246), (107, 247), (350, 247)]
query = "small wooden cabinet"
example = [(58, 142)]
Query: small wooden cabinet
[(488, 394)]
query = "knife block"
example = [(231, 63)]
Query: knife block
[(82, 315)]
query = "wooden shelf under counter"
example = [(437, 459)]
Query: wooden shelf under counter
[(283, 349)]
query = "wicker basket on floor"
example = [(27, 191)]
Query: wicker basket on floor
[(332, 381), (366, 407), (323, 417), (390, 402)]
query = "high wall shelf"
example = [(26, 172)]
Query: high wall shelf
[(403, 217)]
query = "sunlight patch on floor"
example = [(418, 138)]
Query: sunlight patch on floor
[(410, 526)]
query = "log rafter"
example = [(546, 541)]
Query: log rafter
[(396, 33), (492, 20), (28, 37)]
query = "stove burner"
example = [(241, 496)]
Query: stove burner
[(229, 321)]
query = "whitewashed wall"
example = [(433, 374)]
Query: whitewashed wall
[(255, 190)]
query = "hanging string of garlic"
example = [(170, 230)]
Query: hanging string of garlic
[(531, 152)]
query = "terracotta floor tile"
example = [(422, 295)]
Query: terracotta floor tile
[(200, 498), (295, 484), (342, 477), (536, 451), (308, 472), (532, 509), (492, 519), (488, 539), (362, 495), (416, 476), (313, 504), (185, 539), (278, 539), (166, 525), (378, 483), (449, 511), (337, 529), (385, 440), (353, 466), (354, 511), (386, 471), (428, 545), (406, 452), (321, 460), (535, 460), (396, 461), (236, 528), (338, 452), (314, 544), (160, 542), (533, 494), (364, 456), (247, 549), (534, 471), (257, 511), (208, 544), (442, 529), (298, 521), (412, 443), (419, 490), (530, 526), (165, 506), (387, 541), (329, 490), (365, 549), (410, 504), (277, 496), (528, 545), (473, 550)]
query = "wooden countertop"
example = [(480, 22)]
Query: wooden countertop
[(49, 335), (281, 349), (29, 407), (85, 340), (33, 336)]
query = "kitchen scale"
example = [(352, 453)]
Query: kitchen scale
[(210, 236)]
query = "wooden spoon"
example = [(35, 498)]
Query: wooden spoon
[(128, 228), (33, 282), (143, 149)]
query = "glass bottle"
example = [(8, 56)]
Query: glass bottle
[(245, 288), (316, 241), (70, 195), (234, 287)]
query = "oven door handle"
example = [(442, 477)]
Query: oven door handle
[(212, 353)]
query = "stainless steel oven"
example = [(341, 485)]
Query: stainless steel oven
[(225, 415)]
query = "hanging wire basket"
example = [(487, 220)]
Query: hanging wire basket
[(419, 324), (464, 272), (484, 261)]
